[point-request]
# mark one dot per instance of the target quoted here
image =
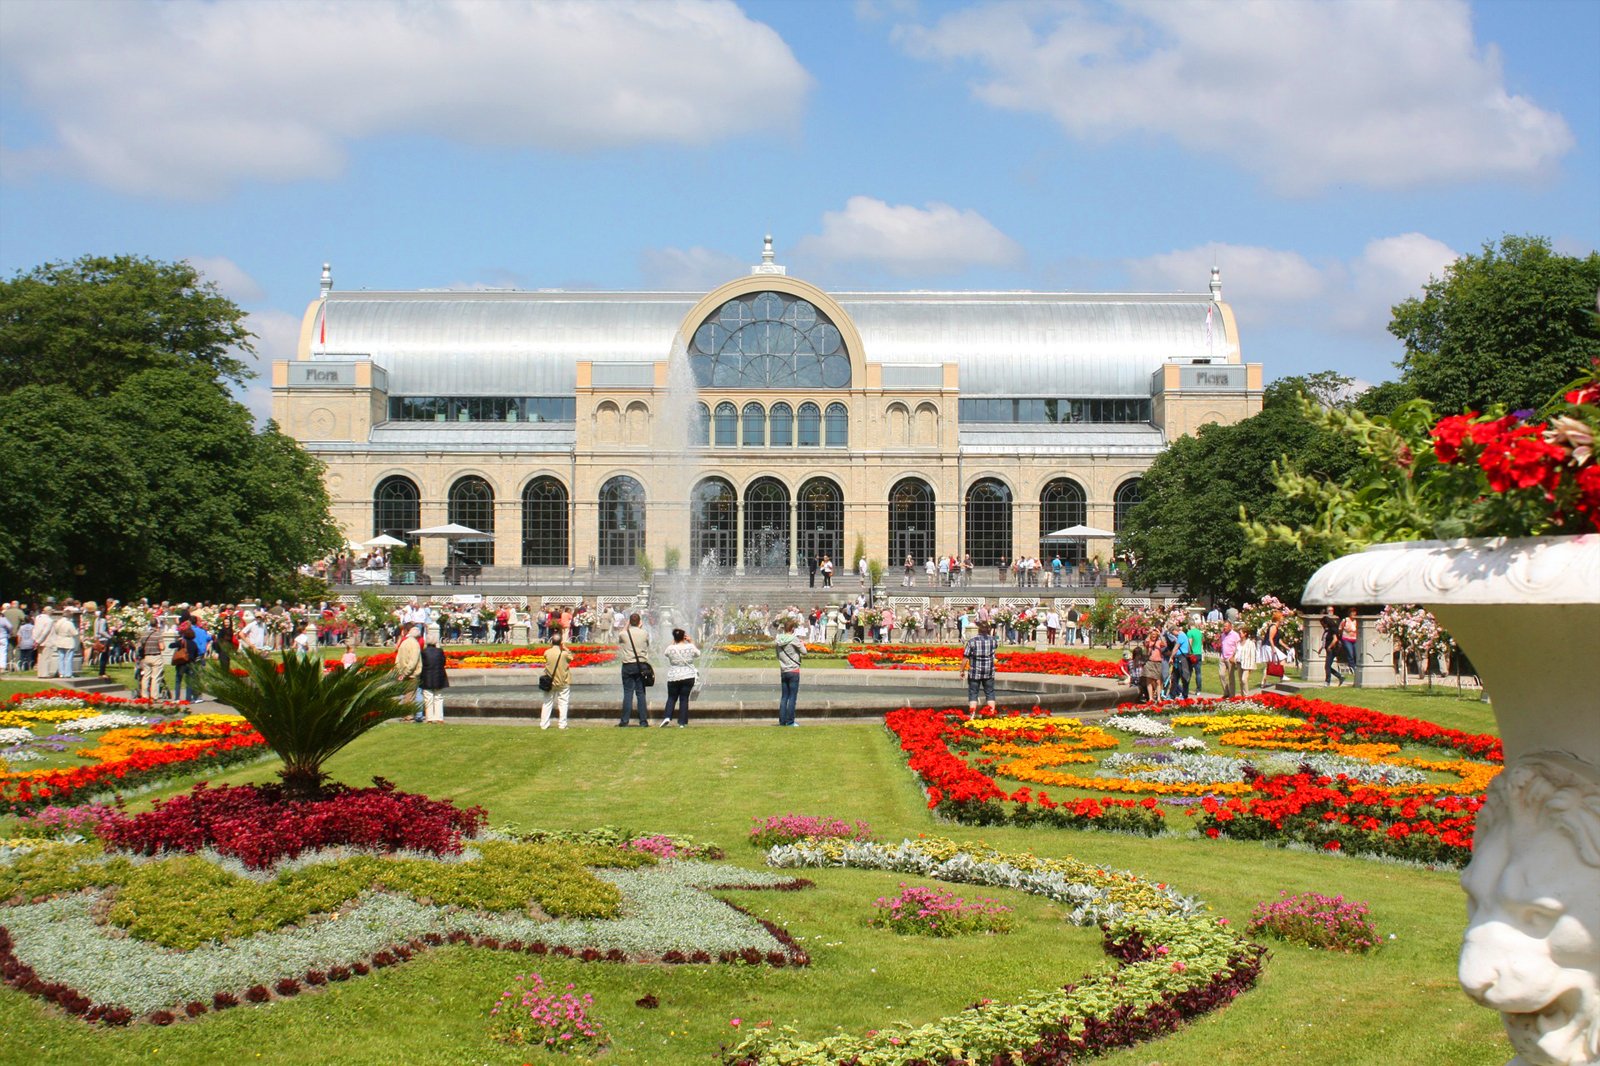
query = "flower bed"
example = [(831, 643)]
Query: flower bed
[(917, 910), (948, 657), (788, 828), (1317, 921), (1175, 963), (114, 937), (132, 756), (258, 826), (1305, 771), (527, 1014), (499, 659)]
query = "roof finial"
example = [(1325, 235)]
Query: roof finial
[(768, 266), (327, 279), (1216, 283)]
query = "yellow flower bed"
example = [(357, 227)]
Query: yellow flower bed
[(1227, 723), (1293, 740), (12, 718), (1000, 725)]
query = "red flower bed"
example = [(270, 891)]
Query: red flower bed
[(582, 655), (1351, 724), (958, 791), (1339, 816), (1333, 814), (257, 825), (88, 699), (224, 745), (946, 657)]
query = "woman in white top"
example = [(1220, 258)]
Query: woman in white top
[(681, 675), (1249, 659)]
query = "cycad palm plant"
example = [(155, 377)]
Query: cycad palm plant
[(306, 713)]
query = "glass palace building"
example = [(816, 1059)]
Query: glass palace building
[(757, 424)]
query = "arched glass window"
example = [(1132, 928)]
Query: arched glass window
[(713, 524), (819, 521), (766, 525), (396, 508), (989, 522), (755, 426), (837, 426), (810, 426), (1062, 504), (911, 522), (621, 521), (544, 523), (782, 425), (1127, 499), (727, 425), (700, 431), (768, 340), (471, 504)]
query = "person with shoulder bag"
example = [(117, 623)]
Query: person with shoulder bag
[(633, 646), (556, 681)]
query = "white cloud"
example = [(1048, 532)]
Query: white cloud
[(688, 269), (234, 281), (1386, 93), (1269, 286), (906, 240), (277, 337), (183, 99)]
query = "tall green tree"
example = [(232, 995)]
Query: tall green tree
[(130, 470), (1186, 531), (1509, 326), (94, 322)]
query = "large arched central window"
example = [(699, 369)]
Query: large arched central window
[(1062, 505), (769, 340), (544, 523), (989, 522), (713, 523), (911, 523), (621, 521), (472, 505), (766, 525), (396, 508), (819, 521)]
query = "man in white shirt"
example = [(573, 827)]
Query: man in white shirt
[(1052, 622), (255, 633)]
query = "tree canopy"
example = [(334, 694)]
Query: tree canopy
[(137, 473), (1511, 326), (94, 322), (1186, 531)]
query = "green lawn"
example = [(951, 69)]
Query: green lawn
[(1401, 1005)]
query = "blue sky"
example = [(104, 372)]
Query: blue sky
[(1330, 157)]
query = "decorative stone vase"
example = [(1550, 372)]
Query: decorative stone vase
[(1527, 613)]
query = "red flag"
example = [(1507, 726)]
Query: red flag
[(323, 340)]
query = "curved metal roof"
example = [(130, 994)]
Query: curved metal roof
[(1007, 344)]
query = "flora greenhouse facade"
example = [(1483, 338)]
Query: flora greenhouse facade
[(759, 424)]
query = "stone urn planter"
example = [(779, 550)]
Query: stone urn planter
[(1527, 613)]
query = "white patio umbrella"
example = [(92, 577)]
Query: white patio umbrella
[(1078, 531), (353, 545), (383, 540), (450, 531)]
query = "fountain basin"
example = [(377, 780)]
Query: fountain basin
[(752, 694)]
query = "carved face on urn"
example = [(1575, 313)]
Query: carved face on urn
[(1532, 947)]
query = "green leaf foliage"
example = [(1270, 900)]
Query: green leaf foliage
[(130, 469), (304, 712), (1509, 326), (90, 324), (1186, 531)]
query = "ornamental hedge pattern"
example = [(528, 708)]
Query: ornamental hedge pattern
[(1174, 962)]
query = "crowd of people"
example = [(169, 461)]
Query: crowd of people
[(955, 571)]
